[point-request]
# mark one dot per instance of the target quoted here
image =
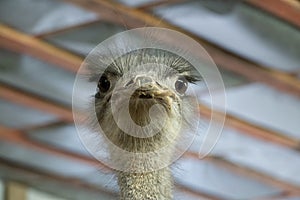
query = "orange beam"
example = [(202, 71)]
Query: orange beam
[(287, 10), (154, 4), (21, 43)]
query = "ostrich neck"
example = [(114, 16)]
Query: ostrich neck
[(155, 185), (150, 185)]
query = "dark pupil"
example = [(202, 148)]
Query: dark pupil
[(181, 86), (103, 84)]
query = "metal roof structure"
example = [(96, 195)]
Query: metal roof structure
[(254, 43)]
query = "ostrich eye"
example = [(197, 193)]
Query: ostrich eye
[(181, 85), (103, 84)]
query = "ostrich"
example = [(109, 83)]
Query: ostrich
[(142, 79)]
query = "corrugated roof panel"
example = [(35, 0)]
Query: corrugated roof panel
[(38, 16)]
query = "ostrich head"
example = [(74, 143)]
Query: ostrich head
[(142, 106), (132, 86)]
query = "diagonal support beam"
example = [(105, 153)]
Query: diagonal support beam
[(22, 43), (154, 4)]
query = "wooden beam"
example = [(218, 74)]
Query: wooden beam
[(151, 5), (22, 43), (288, 11), (24, 98), (133, 18)]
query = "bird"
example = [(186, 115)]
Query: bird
[(142, 106)]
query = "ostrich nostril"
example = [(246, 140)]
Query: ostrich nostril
[(129, 83), (145, 96)]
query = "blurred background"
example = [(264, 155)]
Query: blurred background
[(255, 44)]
